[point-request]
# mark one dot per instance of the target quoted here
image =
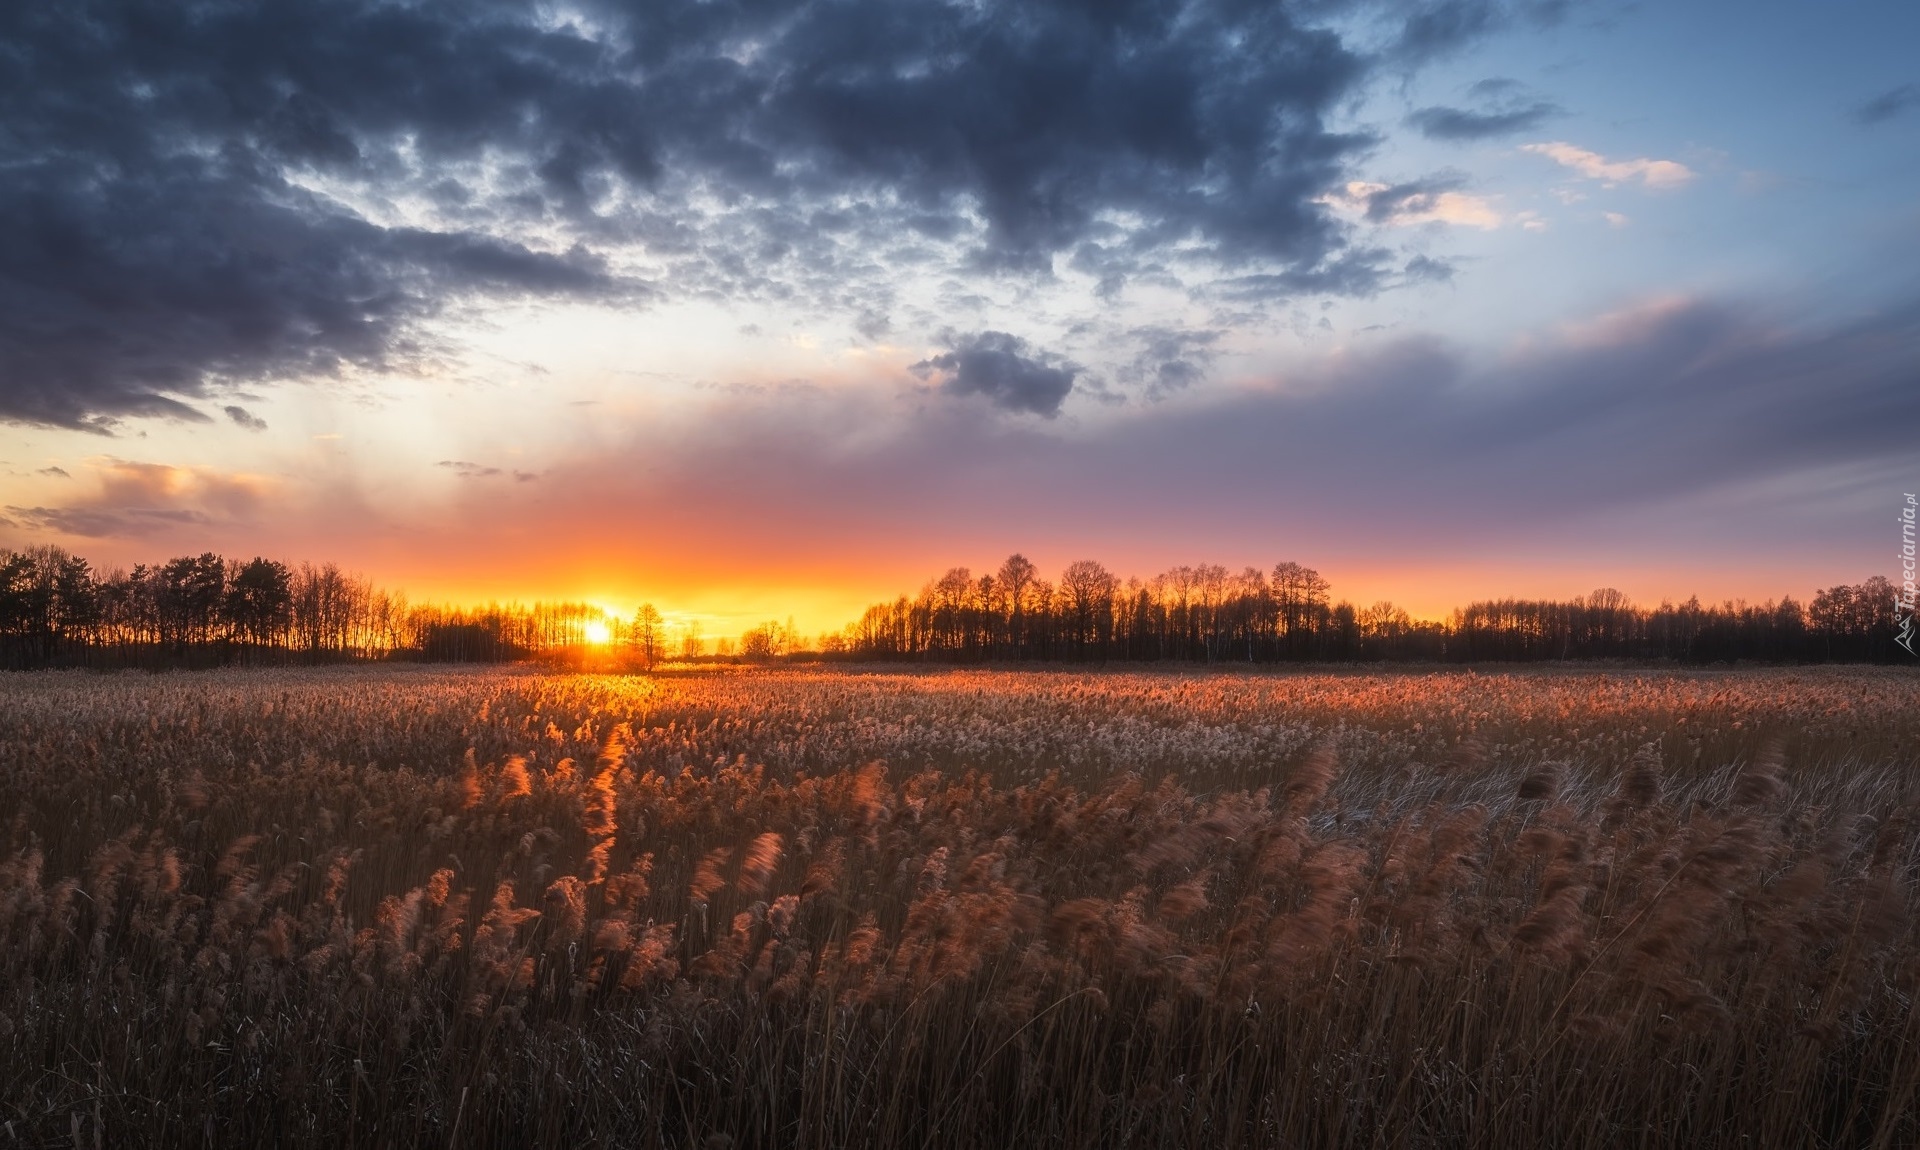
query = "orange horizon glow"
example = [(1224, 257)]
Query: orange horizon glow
[(723, 583), (724, 610)]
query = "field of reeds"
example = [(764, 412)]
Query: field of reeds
[(417, 907)]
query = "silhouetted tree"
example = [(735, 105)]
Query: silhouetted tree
[(259, 602), (1016, 582), (188, 593), (47, 601), (1087, 589), (647, 639)]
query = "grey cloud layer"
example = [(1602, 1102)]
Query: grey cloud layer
[(1412, 446), (1665, 405), (1410, 441), (175, 207)]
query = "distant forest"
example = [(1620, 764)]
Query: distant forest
[(56, 610), (1208, 614)]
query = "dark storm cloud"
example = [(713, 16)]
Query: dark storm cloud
[(128, 281), (1888, 104), (1004, 369), (199, 193), (1443, 123)]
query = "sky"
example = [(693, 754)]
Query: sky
[(768, 309)]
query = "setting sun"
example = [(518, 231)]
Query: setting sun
[(598, 633)]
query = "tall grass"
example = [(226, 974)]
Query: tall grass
[(413, 907)]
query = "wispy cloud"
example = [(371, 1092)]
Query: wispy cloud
[(244, 418), (133, 498), (1888, 104), (1437, 200), (467, 470), (106, 522), (1594, 166), (1444, 123)]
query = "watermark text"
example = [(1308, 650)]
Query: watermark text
[(1903, 608)]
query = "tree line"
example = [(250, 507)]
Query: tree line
[(1208, 614), (56, 610)]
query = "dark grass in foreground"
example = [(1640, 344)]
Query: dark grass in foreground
[(423, 908)]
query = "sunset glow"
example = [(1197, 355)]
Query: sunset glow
[(1444, 308), (960, 573)]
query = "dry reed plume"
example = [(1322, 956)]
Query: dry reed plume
[(411, 907)]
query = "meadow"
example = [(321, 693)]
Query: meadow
[(412, 906)]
